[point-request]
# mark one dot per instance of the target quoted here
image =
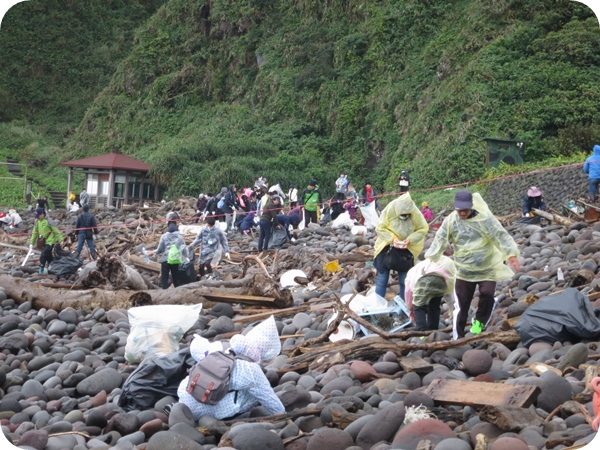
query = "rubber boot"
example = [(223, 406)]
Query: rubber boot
[(41, 270)]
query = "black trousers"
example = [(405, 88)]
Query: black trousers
[(46, 255), (310, 216), (265, 235), (427, 317), (165, 269), (464, 295), (204, 268)]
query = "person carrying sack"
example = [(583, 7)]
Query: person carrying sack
[(402, 229), (44, 236)]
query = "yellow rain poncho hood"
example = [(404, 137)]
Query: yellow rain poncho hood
[(481, 245), (390, 226)]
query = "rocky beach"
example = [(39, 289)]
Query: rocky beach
[(63, 369)]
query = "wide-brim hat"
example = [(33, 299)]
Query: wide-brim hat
[(39, 212), (534, 192)]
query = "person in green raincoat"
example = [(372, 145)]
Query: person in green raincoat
[(402, 225), (481, 245)]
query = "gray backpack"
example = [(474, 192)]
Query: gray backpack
[(210, 378)]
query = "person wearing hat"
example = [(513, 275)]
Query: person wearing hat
[(51, 235), (401, 226), (427, 213), (87, 230), (481, 245), (173, 252), (311, 201), (591, 166), (268, 220), (533, 199)]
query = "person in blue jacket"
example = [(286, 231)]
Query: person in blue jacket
[(286, 221), (247, 223), (592, 168)]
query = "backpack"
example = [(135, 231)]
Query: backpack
[(210, 378), (174, 255), (221, 203)]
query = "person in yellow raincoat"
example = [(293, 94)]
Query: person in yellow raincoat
[(402, 225), (481, 245)]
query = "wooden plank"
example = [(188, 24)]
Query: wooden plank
[(282, 312), (238, 298), (467, 393), (415, 364)]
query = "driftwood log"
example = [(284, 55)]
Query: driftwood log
[(58, 299), (324, 357), (561, 220), (112, 274)]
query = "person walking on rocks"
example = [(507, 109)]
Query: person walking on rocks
[(173, 252), (481, 245), (268, 220), (311, 201), (592, 168), (249, 385), (210, 237), (87, 230), (43, 203), (84, 198), (50, 235), (402, 226)]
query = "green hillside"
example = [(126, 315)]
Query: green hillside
[(224, 91)]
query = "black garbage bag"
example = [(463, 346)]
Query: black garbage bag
[(65, 265), (535, 220), (187, 272), (278, 238), (567, 316), (154, 379)]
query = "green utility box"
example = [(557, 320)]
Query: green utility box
[(507, 151)]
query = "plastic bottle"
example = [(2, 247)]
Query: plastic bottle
[(560, 275), (145, 253)]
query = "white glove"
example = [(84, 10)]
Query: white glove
[(94, 237), (227, 256)]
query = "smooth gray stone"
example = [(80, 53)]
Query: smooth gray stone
[(188, 431), (103, 380), (164, 440)]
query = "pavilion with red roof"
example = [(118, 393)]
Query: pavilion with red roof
[(113, 179)]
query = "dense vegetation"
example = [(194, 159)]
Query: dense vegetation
[(224, 91)]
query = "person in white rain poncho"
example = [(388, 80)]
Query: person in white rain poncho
[(210, 237), (481, 245), (249, 385)]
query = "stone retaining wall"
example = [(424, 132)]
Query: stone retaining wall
[(557, 185)]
